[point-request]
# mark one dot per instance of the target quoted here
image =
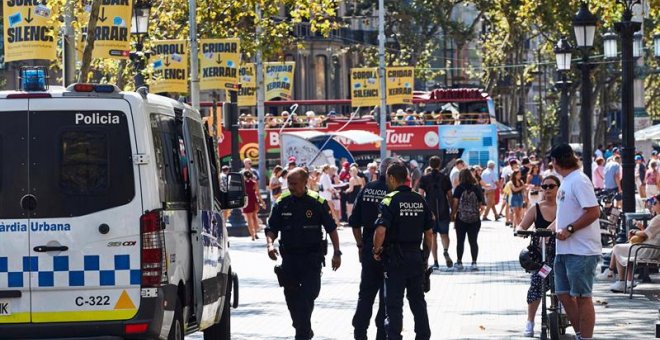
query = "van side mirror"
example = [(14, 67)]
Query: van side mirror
[(235, 197)]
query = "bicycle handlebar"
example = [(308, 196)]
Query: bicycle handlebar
[(537, 232)]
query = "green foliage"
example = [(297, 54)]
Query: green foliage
[(215, 19)]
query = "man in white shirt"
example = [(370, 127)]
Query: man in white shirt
[(453, 175), (490, 178), (578, 241)]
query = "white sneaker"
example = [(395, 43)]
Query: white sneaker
[(607, 275), (617, 286), (529, 330), (474, 267), (632, 283), (458, 266)]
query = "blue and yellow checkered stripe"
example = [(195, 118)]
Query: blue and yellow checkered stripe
[(62, 273)]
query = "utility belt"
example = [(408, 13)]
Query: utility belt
[(321, 247)]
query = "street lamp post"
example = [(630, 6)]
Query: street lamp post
[(563, 53), (520, 118), (139, 27), (656, 45), (584, 25), (627, 28)]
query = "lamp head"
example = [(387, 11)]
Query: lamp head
[(584, 25)]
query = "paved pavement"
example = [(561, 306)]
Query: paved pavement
[(488, 304)]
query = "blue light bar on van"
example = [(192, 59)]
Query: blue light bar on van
[(104, 88), (33, 79)]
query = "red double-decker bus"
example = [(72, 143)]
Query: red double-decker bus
[(413, 135)]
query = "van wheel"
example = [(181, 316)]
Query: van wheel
[(176, 331), (221, 330)]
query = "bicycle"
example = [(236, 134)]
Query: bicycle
[(556, 321)]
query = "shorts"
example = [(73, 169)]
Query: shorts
[(516, 200), (574, 274), (441, 227), (615, 191)]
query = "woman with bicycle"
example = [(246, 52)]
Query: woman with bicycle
[(542, 216)]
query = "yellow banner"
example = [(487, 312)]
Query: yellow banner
[(364, 87), (219, 61), (247, 95), (170, 64), (113, 30), (28, 35), (279, 80), (399, 84)]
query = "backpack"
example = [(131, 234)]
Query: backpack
[(468, 206)]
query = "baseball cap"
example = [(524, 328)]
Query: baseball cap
[(225, 167), (654, 152), (562, 151), (292, 159), (638, 157)]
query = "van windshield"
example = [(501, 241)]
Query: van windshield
[(80, 162)]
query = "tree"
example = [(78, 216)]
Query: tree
[(215, 19)]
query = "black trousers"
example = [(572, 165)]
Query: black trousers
[(371, 282), (304, 274), (406, 274), (472, 232)]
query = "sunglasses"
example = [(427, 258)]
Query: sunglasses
[(548, 186)]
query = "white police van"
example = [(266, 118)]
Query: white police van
[(110, 220)]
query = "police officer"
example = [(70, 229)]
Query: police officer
[(365, 212), (403, 218), (299, 214)]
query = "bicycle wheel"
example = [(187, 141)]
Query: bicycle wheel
[(553, 325)]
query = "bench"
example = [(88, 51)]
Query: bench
[(634, 261)]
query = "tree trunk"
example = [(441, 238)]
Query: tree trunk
[(89, 46), (121, 78)]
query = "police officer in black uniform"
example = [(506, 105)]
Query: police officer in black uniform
[(403, 218), (365, 212), (299, 215)]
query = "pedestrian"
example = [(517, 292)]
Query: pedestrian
[(453, 175), (533, 185), (372, 172), (355, 184), (491, 181), (247, 166), (404, 218), (224, 178), (282, 179), (517, 197), (313, 180), (253, 203), (578, 241), (415, 174), (613, 178), (362, 219), (640, 173), (436, 189), (598, 174), (299, 215), (541, 215), (652, 179), (274, 184), (467, 200)]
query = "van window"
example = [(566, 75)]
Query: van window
[(84, 162), (13, 163), (171, 159), (77, 169), (201, 163)]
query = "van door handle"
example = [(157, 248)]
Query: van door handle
[(43, 249)]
